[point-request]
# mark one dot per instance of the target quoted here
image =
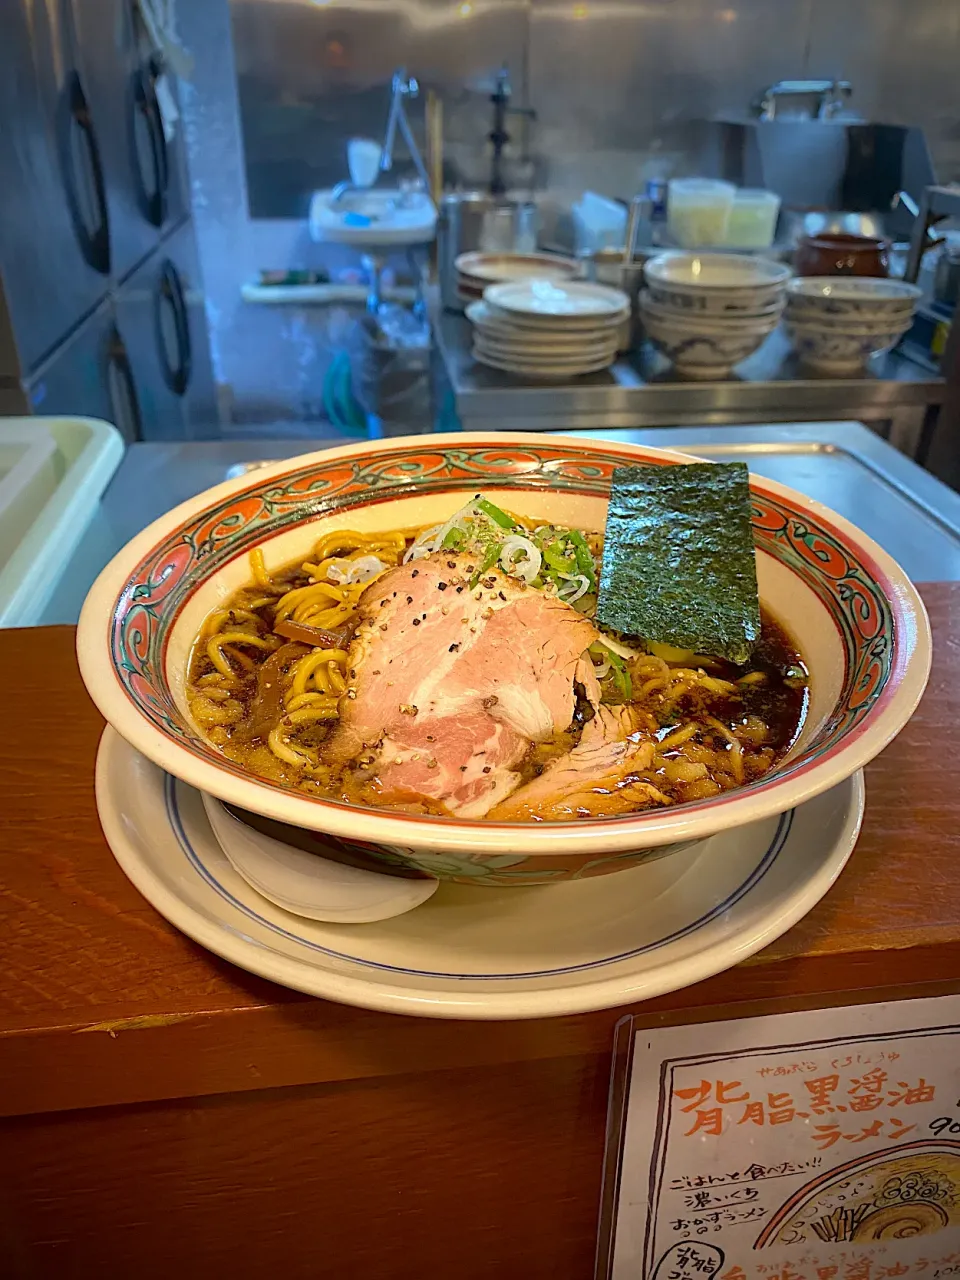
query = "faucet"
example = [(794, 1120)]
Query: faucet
[(498, 135), (402, 87)]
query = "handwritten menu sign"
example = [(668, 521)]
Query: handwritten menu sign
[(810, 1146)]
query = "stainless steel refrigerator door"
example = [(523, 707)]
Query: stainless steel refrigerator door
[(89, 376), (153, 323), (54, 234), (181, 293), (145, 189)]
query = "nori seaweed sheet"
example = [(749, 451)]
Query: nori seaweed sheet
[(678, 559)]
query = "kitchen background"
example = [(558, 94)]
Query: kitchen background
[(272, 90), (618, 86)]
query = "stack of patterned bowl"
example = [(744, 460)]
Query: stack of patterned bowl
[(708, 311), (836, 324), (548, 330)]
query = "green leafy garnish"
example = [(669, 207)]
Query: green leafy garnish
[(584, 557), (621, 676), (496, 515), (490, 558)]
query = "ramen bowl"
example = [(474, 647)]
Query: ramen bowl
[(852, 612)]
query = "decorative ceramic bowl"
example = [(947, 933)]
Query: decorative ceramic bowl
[(856, 298), (852, 611), (853, 324), (716, 283), (704, 351), (838, 351), (703, 322)]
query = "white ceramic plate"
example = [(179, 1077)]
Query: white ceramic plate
[(307, 885), (539, 369), (547, 349), (493, 268), (497, 325), (546, 352), (553, 300), (485, 952)]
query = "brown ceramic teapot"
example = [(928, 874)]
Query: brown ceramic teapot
[(838, 254)]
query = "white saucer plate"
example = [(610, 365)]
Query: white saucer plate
[(307, 885), (547, 372), (571, 329), (549, 300), (496, 268), (545, 353), (485, 952), (535, 341)]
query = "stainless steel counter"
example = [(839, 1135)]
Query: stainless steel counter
[(644, 391), (842, 464)]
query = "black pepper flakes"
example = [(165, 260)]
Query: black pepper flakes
[(409, 599), (383, 626), (501, 595), (463, 768), (451, 564), (430, 738), (441, 586), (453, 648), (415, 574), (486, 768), (416, 622), (459, 589)]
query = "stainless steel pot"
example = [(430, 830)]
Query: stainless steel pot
[(470, 221)]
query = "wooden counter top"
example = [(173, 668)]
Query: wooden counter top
[(104, 1005)]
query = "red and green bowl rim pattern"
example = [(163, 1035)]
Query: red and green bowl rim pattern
[(855, 591)]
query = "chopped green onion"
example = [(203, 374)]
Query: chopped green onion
[(621, 676), (555, 558), (490, 558), (495, 514), (584, 557)]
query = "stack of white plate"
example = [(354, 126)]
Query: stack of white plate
[(477, 271), (708, 311), (546, 329)]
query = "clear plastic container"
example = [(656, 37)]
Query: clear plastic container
[(753, 219), (52, 473), (698, 211), (28, 474)]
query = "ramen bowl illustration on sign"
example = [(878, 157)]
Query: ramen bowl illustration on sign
[(912, 1190)]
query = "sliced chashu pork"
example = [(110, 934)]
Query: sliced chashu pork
[(597, 778), (450, 685)]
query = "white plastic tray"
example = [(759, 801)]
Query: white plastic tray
[(57, 468)]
